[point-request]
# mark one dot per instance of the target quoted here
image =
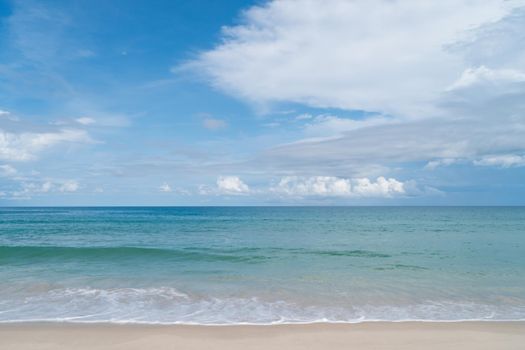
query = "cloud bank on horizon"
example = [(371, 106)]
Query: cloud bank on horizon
[(297, 101)]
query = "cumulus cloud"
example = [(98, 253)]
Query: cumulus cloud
[(31, 188), (386, 56), (45, 187), (69, 186), (165, 188), (329, 186), (321, 187), (232, 185), (226, 185)]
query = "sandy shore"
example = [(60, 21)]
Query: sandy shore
[(409, 335)]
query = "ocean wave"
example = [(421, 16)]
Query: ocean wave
[(167, 305), (29, 254), (26, 254)]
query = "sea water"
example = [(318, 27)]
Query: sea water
[(262, 265)]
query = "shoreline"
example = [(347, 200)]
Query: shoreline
[(363, 335), (240, 324)]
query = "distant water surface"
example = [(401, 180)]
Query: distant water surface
[(262, 265)]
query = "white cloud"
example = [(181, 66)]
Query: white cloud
[(493, 160), (479, 118), (205, 190), (483, 75), (320, 187), (502, 160), (330, 125), (45, 187), (7, 170), (433, 164), (387, 56), (24, 146), (97, 117), (69, 186), (329, 186), (4, 113), (214, 124), (231, 185), (165, 188), (28, 189), (225, 185), (444, 80), (85, 120)]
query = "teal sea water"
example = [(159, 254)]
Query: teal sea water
[(262, 265)]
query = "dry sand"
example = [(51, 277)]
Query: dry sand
[(380, 335)]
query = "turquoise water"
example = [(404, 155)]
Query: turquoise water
[(262, 265)]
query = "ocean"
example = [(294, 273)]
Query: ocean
[(261, 265)]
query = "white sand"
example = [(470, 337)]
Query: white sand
[(381, 335)]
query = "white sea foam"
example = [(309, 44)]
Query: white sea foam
[(168, 305)]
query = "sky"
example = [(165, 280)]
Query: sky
[(285, 102)]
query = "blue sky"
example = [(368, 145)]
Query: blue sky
[(262, 103)]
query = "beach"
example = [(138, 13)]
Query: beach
[(262, 174), (368, 335), (262, 278)]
